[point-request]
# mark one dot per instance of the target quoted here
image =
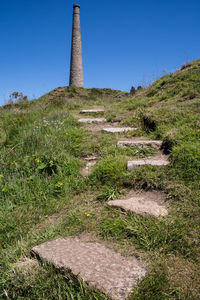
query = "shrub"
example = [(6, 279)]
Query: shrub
[(148, 123)]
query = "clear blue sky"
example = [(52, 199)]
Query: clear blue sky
[(125, 43)]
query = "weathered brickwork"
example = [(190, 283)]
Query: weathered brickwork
[(76, 69)]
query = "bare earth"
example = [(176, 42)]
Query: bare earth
[(90, 163), (95, 264), (99, 127)]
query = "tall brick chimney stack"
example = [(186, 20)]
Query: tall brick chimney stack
[(76, 68)]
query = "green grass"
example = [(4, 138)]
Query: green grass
[(44, 196)]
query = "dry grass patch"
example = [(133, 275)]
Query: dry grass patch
[(26, 266), (185, 276)]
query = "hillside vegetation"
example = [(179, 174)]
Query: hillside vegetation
[(45, 196)]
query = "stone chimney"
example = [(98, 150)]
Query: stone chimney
[(76, 68)]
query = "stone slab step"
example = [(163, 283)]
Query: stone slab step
[(140, 143), (143, 162), (95, 264), (146, 203), (118, 129), (90, 121), (92, 111)]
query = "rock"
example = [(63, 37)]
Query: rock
[(143, 162), (118, 129), (92, 111), (150, 203), (140, 143), (95, 264), (89, 121)]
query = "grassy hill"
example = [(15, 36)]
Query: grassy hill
[(45, 196)]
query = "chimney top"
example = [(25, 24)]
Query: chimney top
[(76, 5)]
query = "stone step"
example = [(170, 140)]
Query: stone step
[(118, 129), (92, 111), (94, 120), (158, 162), (145, 203), (140, 143), (95, 264)]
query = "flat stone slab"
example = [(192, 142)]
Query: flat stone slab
[(92, 111), (145, 203), (90, 121), (140, 143), (95, 264), (143, 162), (118, 129)]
